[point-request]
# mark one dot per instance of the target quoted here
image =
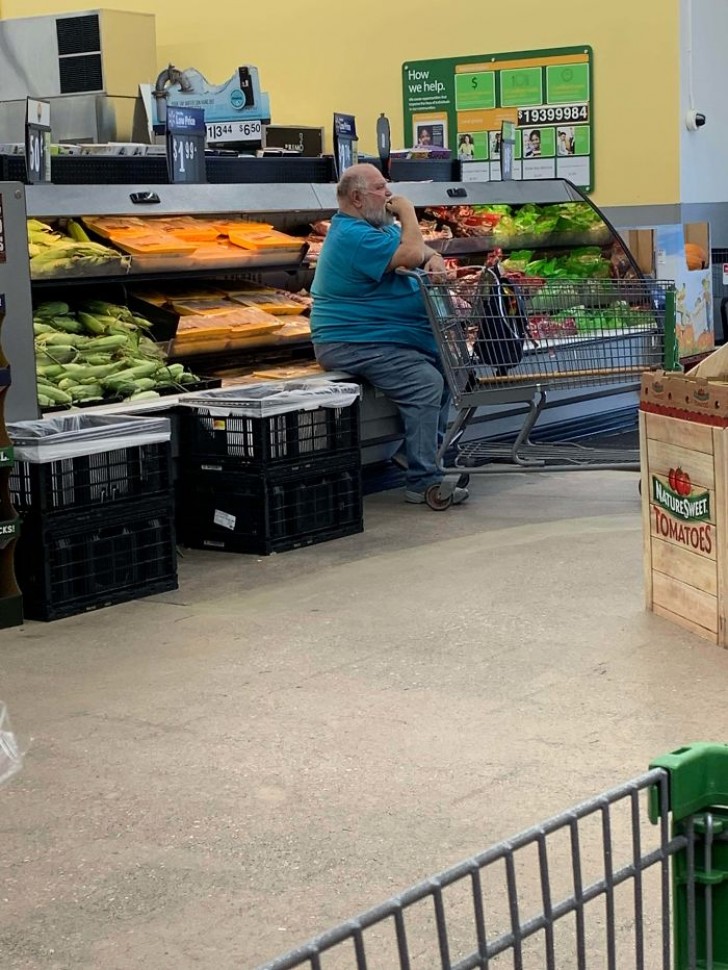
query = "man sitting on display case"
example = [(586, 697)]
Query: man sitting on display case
[(370, 321)]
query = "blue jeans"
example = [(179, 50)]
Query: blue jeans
[(411, 379)]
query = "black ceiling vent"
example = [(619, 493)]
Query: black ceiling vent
[(78, 35), (81, 74)]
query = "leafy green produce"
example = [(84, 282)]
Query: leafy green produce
[(542, 220)]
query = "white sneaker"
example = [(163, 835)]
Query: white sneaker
[(459, 495)]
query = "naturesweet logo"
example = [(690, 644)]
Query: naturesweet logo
[(677, 496), (681, 513)]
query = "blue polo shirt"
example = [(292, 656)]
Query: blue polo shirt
[(355, 299)]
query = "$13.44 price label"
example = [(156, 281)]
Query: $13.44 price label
[(234, 131)]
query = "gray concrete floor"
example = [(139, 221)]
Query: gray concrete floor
[(214, 775)]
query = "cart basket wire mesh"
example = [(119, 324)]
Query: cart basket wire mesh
[(507, 339), (636, 877), (496, 332)]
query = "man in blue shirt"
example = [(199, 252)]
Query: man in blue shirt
[(370, 321)]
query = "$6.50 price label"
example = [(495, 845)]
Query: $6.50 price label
[(234, 131)]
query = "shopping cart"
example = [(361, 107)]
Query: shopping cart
[(508, 340), (623, 917)]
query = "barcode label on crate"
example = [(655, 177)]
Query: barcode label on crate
[(224, 519)]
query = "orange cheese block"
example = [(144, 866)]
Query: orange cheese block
[(226, 226), (295, 327), (209, 307), (152, 244), (261, 239), (288, 373), (272, 301), (196, 234), (107, 225)]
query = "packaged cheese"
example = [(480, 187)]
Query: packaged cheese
[(270, 300), (261, 239)]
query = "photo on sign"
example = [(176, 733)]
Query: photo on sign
[(565, 141), (430, 134), (495, 144), (532, 143), (466, 146), (539, 142)]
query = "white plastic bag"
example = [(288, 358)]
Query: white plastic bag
[(72, 435), (274, 397), (11, 758)]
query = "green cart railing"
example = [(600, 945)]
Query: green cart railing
[(636, 877)]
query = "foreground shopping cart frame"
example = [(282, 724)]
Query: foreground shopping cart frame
[(514, 341), (684, 795)]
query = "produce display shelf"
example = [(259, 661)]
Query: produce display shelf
[(468, 245), (154, 275)]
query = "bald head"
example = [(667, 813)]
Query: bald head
[(357, 179)]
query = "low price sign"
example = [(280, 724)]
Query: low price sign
[(186, 145), (37, 141)]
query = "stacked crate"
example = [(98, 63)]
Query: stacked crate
[(97, 505), (270, 468)]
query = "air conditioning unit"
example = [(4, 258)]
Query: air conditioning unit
[(89, 65)]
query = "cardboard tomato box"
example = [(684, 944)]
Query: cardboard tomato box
[(684, 461)]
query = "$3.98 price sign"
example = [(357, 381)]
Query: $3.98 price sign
[(186, 145)]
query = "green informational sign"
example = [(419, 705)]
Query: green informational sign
[(475, 90), (461, 103), (566, 83), (521, 87)]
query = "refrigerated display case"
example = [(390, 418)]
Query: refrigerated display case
[(536, 228)]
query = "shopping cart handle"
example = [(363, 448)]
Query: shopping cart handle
[(417, 274), (698, 779)]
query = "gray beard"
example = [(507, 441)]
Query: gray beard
[(378, 217)]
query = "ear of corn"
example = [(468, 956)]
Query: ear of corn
[(98, 352)]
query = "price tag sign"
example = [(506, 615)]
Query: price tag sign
[(186, 144), (345, 142), (37, 141), (508, 144), (233, 131)]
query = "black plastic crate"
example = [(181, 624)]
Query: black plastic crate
[(278, 440), (73, 564), (88, 481), (269, 512)]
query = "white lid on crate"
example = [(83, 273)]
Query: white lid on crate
[(74, 435), (275, 397)]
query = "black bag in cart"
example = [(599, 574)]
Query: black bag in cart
[(502, 322)]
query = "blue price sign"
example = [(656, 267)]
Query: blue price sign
[(186, 145), (37, 141)]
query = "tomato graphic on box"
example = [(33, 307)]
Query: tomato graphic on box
[(679, 481)]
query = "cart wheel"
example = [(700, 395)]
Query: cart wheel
[(463, 481), (436, 500), (639, 486)]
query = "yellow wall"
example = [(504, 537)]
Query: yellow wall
[(323, 56)]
